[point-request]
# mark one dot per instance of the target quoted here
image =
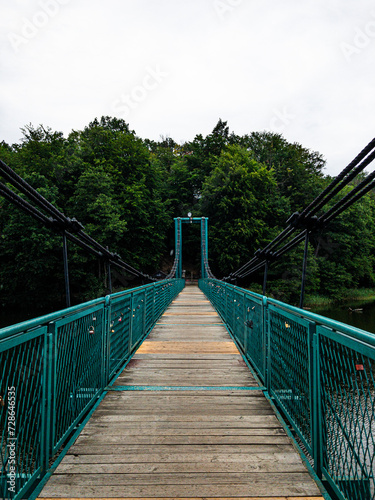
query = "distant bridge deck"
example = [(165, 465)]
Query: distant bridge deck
[(185, 419)]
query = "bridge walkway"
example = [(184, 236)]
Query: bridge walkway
[(185, 419)]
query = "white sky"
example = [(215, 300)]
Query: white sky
[(304, 68)]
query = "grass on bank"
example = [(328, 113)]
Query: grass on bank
[(355, 295), (321, 301)]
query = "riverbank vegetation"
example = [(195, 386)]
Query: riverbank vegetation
[(350, 297), (126, 191)]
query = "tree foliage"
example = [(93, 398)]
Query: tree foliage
[(126, 192)]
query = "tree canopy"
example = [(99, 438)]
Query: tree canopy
[(126, 192)]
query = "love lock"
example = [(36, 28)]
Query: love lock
[(91, 330)]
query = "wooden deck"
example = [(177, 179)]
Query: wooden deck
[(184, 420)]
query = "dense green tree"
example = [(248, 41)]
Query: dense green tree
[(202, 152), (31, 271), (236, 199), (298, 170), (126, 192), (345, 249)]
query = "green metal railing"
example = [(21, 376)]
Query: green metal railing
[(320, 373), (54, 369)]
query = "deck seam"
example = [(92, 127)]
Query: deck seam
[(182, 388)]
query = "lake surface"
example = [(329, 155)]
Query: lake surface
[(364, 319)]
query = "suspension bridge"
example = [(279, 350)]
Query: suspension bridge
[(174, 391)]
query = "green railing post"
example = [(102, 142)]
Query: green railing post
[(267, 339), (153, 303), (226, 300), (107, 340), (316, 404), (131, 322), (144, 311), (245, 330), (48, 394), (52, 384)]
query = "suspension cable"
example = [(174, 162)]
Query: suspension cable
[(306, 220), (58, 221), (320, 200)]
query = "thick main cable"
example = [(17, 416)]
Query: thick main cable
[(320, 200), (30, 192), (340, 181), (58, 220)]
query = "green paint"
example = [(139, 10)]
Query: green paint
[(318, 372)]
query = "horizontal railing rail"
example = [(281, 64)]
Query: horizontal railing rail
[(54, 369), (320, 373)]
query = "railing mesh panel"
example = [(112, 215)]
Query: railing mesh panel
[(290, 370), (21, 412), (348, 404), (79, 369), (119, 332), (256, 344)]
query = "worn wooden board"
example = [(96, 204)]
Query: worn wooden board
[(276, 459), (205, 467), (197, 498), (137, 449), (211, 443), (188, 347), (201, 356), (190, 479), (268, 488)]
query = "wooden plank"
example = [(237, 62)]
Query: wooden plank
[(185, 397), (183, 312), (265, 421), (244, 467), (254, 392), (190, 498), (190, 409), (127, 432), (123, 416), (181, 478), (275, 459), (213, 365), (154, 406), (145, 379), (177, 449), (195, 336), (266, 488), (233, 411), (151, 439), (189, 370), (194, 356), (188, 347)]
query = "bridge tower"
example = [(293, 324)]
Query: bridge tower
[(203, 221)]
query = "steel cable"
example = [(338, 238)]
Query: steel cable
[(59, 221), (340, 181)]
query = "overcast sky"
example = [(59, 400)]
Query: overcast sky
[(303, 68)]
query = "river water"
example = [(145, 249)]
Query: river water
[(364, 318)]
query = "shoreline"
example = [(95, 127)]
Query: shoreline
[(320, 301)]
